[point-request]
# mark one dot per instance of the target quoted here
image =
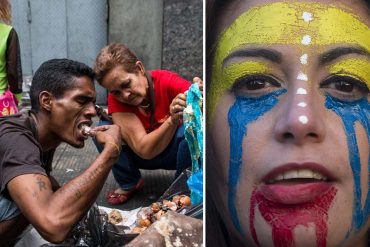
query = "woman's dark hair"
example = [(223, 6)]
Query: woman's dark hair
[(111, 56), (57, 76)]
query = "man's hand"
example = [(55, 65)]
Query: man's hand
[(177, 107), (110, 137)]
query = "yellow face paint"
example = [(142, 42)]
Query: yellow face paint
[(237, 70), (283, 23), (356, 67)]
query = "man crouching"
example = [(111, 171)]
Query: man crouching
[(62, 105)]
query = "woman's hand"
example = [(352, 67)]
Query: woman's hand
[(199, 81), (176, 108)]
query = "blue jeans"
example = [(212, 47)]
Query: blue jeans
[(8, 209), (126, 171)]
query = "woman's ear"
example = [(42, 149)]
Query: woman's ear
[(46, 100), (140, 66)]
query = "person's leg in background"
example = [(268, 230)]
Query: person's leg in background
[(125, 172), (183, 159), (175, 157)]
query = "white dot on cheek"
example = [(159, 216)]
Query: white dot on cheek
[(303, 119), (302, 104), (306, 40)]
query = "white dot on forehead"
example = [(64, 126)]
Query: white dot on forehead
[(302, 76), (307, 16), (302, 104), (303, 119), (306, 40), (304, 59), (301, 91)]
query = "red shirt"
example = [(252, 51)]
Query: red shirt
[(166, 86)]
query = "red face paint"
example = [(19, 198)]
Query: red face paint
[(284, 217)]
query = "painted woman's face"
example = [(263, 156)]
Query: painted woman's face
[(290, 95)]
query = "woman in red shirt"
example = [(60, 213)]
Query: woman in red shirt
[(148, 107)]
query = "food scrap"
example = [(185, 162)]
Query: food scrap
[(115, 217), (148, 215)]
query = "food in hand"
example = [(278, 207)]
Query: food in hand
[(86, 130)]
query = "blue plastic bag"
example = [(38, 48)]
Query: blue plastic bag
[(193, 122)]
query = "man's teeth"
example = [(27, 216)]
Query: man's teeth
[(296, 174)]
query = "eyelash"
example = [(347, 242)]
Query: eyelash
[(241, 84), (330, 84), (358, 88), (125, 85)]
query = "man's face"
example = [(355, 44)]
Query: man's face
[(289, 97), (73, 110)]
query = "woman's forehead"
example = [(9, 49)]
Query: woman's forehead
[(296, 23)]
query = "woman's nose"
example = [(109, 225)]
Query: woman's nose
[(301, 118), (126, 94)]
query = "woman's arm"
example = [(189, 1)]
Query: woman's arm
[(13, 65), (146, 145)]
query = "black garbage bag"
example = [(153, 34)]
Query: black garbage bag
[(95, 231)]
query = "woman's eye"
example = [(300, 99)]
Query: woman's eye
[(345, 88), (125, 84), (254, 85)]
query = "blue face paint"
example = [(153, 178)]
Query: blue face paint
[(350, 113), (244, 111)]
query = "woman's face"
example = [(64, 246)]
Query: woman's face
[(290, 92), (128, 88)]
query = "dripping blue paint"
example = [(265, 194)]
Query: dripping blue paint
[(350, 113), (244, 111)]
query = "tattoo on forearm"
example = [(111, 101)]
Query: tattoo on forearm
[(41, 184), (82, 182)]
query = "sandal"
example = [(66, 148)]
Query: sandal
[(114, 198)]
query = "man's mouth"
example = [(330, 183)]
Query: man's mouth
[(84, 128)]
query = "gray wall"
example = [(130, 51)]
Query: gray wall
[(138, 24), (165, 34), (183, 37), (74, 29)]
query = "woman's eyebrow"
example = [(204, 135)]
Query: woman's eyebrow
[(272, 55), (333, 54)]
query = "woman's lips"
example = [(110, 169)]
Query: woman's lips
[(296, 183), (294, 193)]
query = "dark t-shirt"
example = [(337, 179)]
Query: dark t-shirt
[(20, 150)]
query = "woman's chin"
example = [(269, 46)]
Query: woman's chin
[(314, 224)]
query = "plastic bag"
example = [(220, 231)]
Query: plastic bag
[(193, 121), (180, 187), (95, 231)]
